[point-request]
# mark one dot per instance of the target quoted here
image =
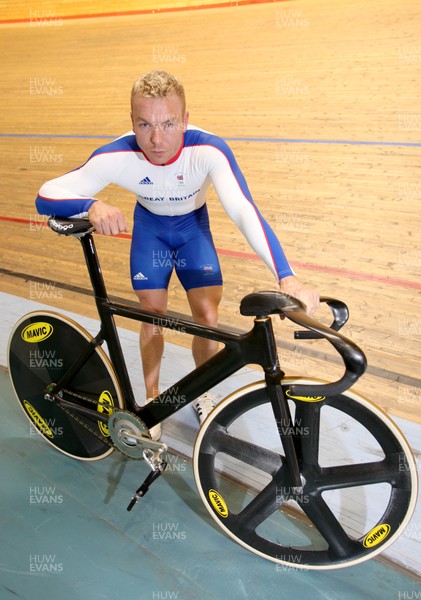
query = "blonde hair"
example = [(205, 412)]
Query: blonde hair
[(158, 84)]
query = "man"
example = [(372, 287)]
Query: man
[(169, 166)]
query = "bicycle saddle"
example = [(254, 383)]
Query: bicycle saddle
[(262, 304), (75, 227)]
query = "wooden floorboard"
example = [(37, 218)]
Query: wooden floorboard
[(320, 103)]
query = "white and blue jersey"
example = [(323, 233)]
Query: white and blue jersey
[(171, 216)]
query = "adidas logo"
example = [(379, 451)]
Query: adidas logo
[(146, 181), (139, 276)]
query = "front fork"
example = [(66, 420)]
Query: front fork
[(285, 427), (280, 407)]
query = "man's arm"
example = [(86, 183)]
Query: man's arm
[(73, 195), (235, 197)]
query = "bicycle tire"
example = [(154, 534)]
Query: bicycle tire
[(42, 347), (369, 484)]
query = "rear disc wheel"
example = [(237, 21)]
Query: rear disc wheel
[(42, 347)]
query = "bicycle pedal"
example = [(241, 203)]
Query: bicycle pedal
[(141, 491)]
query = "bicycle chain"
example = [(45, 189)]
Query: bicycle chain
[(86, 426)]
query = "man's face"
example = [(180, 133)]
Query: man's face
[(159, 125)]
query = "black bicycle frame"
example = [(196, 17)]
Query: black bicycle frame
[(254, 347)]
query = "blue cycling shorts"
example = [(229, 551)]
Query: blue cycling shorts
[(161, 244)]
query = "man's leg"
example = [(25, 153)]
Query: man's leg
[(151, 339), (204, 303)]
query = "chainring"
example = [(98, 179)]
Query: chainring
[(125, 430)]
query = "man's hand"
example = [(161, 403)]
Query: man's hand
[(107, 219), (293, 287)]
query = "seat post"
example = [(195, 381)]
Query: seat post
[(108, 327), (94, 268)]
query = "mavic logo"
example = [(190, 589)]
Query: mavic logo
[(139, 277), (146, 181), (377, 535), (37, 332), (305, 398), (218, 503), (37, 419), (105, 405)]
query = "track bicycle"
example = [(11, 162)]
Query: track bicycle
[(304, 473)]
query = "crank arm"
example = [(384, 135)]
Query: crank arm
[(158, 466), (140, 492), (143, 441)]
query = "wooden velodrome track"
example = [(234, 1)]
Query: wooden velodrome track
[(320, 102)]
